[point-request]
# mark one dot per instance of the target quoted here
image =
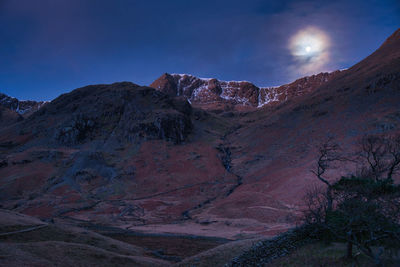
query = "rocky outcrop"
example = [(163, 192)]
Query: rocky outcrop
[(76, 131), (24, 108), (117, 113), (199, 90), (205, 91)]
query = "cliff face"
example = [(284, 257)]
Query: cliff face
[(214, 94)]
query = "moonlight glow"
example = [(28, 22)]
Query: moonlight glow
[(310, 49)]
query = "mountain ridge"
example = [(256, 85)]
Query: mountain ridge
[(22, 107), (228, 94), (205, 91)]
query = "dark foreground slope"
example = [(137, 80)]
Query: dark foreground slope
[(27, 241)]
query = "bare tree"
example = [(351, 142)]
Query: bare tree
[(363, 209), (380, 156), (330, 154)]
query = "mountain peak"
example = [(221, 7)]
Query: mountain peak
[(211, 93), (394, 37), (22, 107)]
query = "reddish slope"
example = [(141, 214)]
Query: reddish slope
[(275, 153)]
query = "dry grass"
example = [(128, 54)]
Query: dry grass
[(319, 254), (220, 255), (56, 253), (173, 248), (61, 244), (69, 234)]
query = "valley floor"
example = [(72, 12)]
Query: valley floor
[(27, 241)]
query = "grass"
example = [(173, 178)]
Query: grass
[(219, 255), (65, 245), (321, 254), (176, 247)]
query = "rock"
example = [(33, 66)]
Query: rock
[(79, 129)]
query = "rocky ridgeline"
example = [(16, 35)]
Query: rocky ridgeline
[(112, 115), (265, 251), (22, 107), (205, 91)]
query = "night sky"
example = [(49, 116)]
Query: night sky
[(49, 47)]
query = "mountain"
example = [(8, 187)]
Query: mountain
[(145, 159), (116, 153), (111, 115), (22, 107), (240, 95)]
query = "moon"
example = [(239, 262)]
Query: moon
[(310, 49)]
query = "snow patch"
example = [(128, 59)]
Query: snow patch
[(270, 95), (20, 106), (203, 89)]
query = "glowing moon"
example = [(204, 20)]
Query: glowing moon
[(310, 49)]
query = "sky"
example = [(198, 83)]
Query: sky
[(50, 47)]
